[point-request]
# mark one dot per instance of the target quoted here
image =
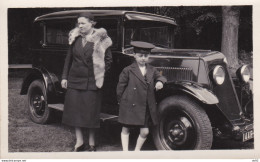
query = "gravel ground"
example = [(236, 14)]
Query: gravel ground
[(26, 136)]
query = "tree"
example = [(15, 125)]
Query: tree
[(230, 27)]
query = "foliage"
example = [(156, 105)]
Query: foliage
[(199, 22), (245, 57), (17, 48)]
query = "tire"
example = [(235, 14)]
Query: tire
[(37, 103), (183, 125)]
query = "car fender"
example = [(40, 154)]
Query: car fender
[(38, 73), (204, 95)]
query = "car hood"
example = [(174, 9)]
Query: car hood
[(181, 52)]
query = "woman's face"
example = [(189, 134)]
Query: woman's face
[(84, 25)]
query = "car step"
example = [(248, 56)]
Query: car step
[(106, 117), (56, 106), (103, 116)]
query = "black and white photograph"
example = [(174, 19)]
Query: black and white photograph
[(149, 80)]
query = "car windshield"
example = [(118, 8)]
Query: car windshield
[(157, 33)]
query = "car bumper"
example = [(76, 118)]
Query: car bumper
[(244, 133)]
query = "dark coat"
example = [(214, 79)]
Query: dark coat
[(134, 93), (78, 66)]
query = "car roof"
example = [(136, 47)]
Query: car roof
[(130, 15)]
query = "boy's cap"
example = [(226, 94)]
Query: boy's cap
[(142, 47)]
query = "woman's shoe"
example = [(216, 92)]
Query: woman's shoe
[(92, 149), (80, 148)]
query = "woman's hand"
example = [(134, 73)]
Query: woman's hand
[(64, 83), (158, 86)]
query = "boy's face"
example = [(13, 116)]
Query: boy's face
[(141, 59)]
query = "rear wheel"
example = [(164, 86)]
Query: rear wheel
[(37, 103), (183, 125)]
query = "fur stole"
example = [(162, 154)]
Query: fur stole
[(101, 43)]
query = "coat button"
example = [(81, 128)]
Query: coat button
[(134, 88), (133, 104)]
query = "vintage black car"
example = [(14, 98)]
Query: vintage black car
[(201, 100)]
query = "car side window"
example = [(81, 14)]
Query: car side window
[(57, 32)]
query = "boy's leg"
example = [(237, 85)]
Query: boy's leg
[(125, 138), (141, 138)]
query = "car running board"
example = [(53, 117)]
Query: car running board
[(103, 116)]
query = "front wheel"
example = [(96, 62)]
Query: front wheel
[(37, 103), (183, 125)]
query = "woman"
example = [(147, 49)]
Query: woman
[(88, 58)]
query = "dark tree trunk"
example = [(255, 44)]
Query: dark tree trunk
[(229, 44)]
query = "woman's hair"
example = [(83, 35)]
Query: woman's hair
[(88, 16)]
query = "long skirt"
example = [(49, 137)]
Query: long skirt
[(82, 108)]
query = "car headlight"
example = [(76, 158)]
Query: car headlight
[(243, 73), (219, 75)]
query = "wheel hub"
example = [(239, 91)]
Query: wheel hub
[(38, 104), (177, 133)]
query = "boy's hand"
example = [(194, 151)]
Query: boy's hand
[(158, 86), (64, 83)]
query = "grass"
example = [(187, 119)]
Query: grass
[(25, 135)]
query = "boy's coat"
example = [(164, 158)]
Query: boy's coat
[(134, 93)]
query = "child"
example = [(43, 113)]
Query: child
[(135, 92)]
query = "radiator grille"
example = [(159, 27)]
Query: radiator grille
[(176, 73)]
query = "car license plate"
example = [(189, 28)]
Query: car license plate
[(248, 135)]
